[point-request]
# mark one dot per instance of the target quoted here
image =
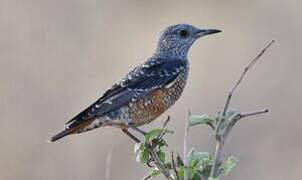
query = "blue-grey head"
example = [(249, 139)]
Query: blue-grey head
[(176, 40)]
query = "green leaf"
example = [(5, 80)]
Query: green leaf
[(228, 120), (190, 153), (168, 165), (137, 147), (153, 134), (199, 159), (230, 114), (143, 156), (153, 173), (212, 178), (200, 119), (196, 177), (161, 156), (162, 143), (181, 172), (228, 165), (192, 172)]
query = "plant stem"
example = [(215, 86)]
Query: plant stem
[(245, 70), (218, 155), (185, 150), (158, 163), (223, 132)]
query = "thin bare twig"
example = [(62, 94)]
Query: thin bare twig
[(243, 115), (174, 166), (125, 131), (108, 165), (160, 136), (166, 121), (249, 65), (222, 132), (185, 150)]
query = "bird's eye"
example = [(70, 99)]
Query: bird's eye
[(183, 33)]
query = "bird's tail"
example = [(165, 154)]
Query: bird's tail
[(61, 134)]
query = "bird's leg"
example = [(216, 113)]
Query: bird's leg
[(147, 144), (137, 129), (125, 131)]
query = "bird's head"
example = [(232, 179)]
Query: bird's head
[(176, 40)]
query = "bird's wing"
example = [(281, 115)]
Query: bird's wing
[(153, 74)]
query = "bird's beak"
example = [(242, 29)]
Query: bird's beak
[(204, 32)]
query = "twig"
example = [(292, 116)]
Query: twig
[(243, 115), (185, 146), (217, 162), (160, 136), (152, 149), (108, 164), (157, 161), (224, 128), (166, 121), (125, 131), (249, 65), (174, 166)]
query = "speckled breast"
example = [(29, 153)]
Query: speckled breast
[(146, 109)]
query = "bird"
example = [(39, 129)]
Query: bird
[(147, 91)]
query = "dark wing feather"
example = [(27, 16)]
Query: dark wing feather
[(153, 74)]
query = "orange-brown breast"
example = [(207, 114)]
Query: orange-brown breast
[(148, 108)]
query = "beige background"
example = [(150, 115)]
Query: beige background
[(59, 56)]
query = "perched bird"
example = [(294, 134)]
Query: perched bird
[(146, 91)]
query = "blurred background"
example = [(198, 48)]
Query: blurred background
[(57, 57)]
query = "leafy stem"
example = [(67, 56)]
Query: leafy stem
[(195, 165)]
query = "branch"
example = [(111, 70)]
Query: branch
[(108, 165), (185, 150), (225, 125), (157, 161), (174, 166), (222, 124), (249, 65), (152, 149)]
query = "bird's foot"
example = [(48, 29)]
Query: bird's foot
[(137, 129), (125, 131)]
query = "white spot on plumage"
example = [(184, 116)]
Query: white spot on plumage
[(171, 83), (108, 102)]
